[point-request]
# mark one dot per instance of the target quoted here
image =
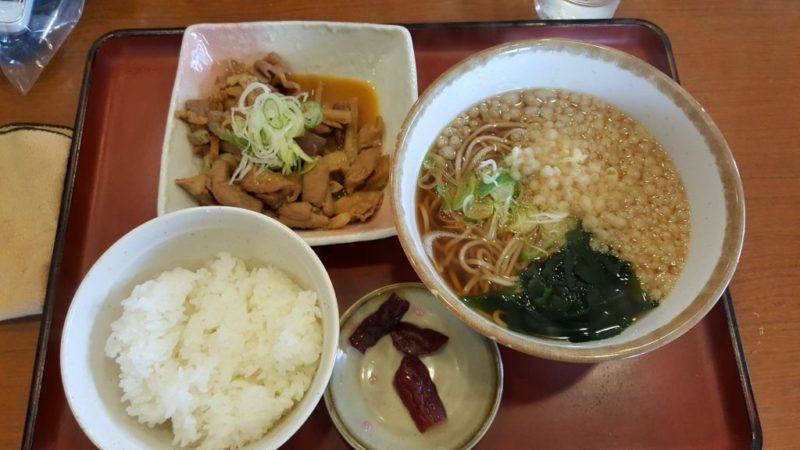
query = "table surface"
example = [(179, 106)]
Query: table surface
[(739, 58)]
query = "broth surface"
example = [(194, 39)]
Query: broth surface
[(571, 158), (338, 89)]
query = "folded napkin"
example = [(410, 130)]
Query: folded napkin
[(33, 161)]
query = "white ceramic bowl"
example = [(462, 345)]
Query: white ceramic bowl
[(361, 398), (187, 239), (380, 54), (697, 148)]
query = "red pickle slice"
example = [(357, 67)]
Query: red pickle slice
[(418, 393), (413, 340), (379, 323)]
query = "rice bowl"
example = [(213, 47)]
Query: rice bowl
[(225, 351), (190, 239)]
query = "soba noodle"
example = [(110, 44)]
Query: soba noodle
[(560, 158)]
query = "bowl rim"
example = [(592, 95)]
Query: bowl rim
[(325, 365), (732, 243)]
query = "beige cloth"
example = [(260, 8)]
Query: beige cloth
[(33, 160)]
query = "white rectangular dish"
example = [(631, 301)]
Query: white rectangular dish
[(382, 55)]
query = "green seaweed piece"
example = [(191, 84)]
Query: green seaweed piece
[(577, 294)]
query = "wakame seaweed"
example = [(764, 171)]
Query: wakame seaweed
[(576, 293)]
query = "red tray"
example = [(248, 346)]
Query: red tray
[(694, 393)]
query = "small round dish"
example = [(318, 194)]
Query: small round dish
[(467, 371)]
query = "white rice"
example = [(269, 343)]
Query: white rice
[(221, 353)]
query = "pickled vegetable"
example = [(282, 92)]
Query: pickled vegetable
[(418, 392), (415, 341), (379, 323)]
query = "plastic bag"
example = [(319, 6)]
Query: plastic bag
[(25, 53)]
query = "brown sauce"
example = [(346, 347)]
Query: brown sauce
[(339, 89)]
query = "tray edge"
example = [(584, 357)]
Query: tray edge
[(756, 433), (69, 182), (58, 249)]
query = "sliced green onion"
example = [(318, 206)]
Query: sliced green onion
[(446, 193), (532, 255), (527, 219), (236, 140), (309, 166), (479, 210), (434, 162), (464, 192), (312, 113), (266, 129), (501, 187)]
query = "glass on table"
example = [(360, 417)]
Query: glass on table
[(575, 9)]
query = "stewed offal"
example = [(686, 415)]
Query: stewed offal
[(305, 149), (553, 213)]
